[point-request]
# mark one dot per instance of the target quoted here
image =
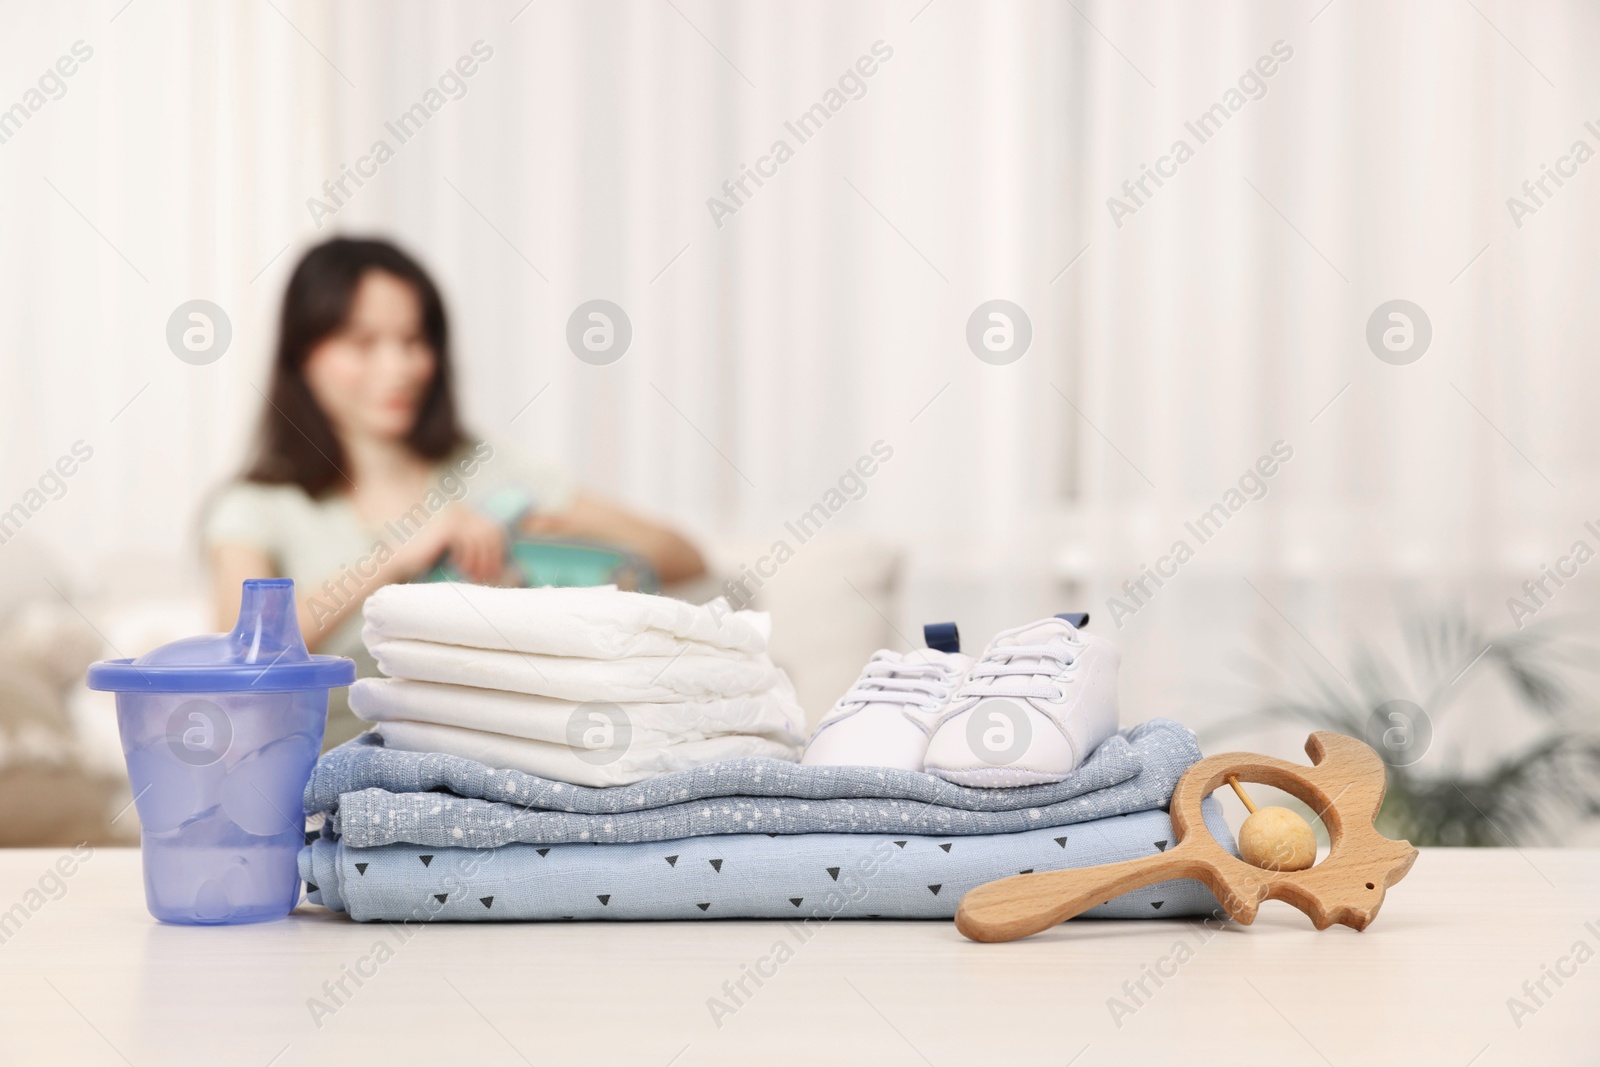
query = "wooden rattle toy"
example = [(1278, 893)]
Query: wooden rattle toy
[(1344, 785)]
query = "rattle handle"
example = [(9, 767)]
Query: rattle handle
[(1028, 903)]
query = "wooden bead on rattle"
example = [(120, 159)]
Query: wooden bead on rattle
[(1273, 838)]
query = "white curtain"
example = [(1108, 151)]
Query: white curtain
[(1230, 312), (830, 311)]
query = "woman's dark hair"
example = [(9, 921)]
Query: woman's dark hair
[(298, 445)]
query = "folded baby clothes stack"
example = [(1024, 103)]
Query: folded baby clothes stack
[(590, 686), (414, 836), (479, 798)]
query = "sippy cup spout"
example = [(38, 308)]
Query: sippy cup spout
[(268, 630)]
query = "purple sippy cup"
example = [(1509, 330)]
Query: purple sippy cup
[(220, 733)]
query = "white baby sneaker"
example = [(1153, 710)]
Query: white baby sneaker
[(1040, 699), (886, 718)]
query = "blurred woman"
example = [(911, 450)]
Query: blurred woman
[(363, 474)]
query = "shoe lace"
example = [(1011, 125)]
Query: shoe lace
[(1020, 671), (887, 679)]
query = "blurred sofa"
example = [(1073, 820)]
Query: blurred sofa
[(56, 786)]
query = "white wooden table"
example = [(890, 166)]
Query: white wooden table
[(90, 978)]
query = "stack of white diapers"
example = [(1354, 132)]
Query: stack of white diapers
[(592, 686)]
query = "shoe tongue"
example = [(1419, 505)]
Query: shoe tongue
[(921, 657), (1039, 633), (947, 661), (917, 657)]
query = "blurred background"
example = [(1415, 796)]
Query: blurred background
[(1174, 314)]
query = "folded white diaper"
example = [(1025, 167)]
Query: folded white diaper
[(669, 678), (773, 712), (599, 622), (613, 760), (591, 686)]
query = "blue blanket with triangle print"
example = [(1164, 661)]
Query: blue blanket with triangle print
[(804, 878)]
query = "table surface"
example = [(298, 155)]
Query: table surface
[(88, 977)]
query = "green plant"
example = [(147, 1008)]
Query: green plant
[(1519, 798)]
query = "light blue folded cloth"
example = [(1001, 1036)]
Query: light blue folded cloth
[(741, 876), (364, 763), (379, 799)]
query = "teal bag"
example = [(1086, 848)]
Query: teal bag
[(535, 561)]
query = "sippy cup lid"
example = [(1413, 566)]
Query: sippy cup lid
[(264, 654)]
